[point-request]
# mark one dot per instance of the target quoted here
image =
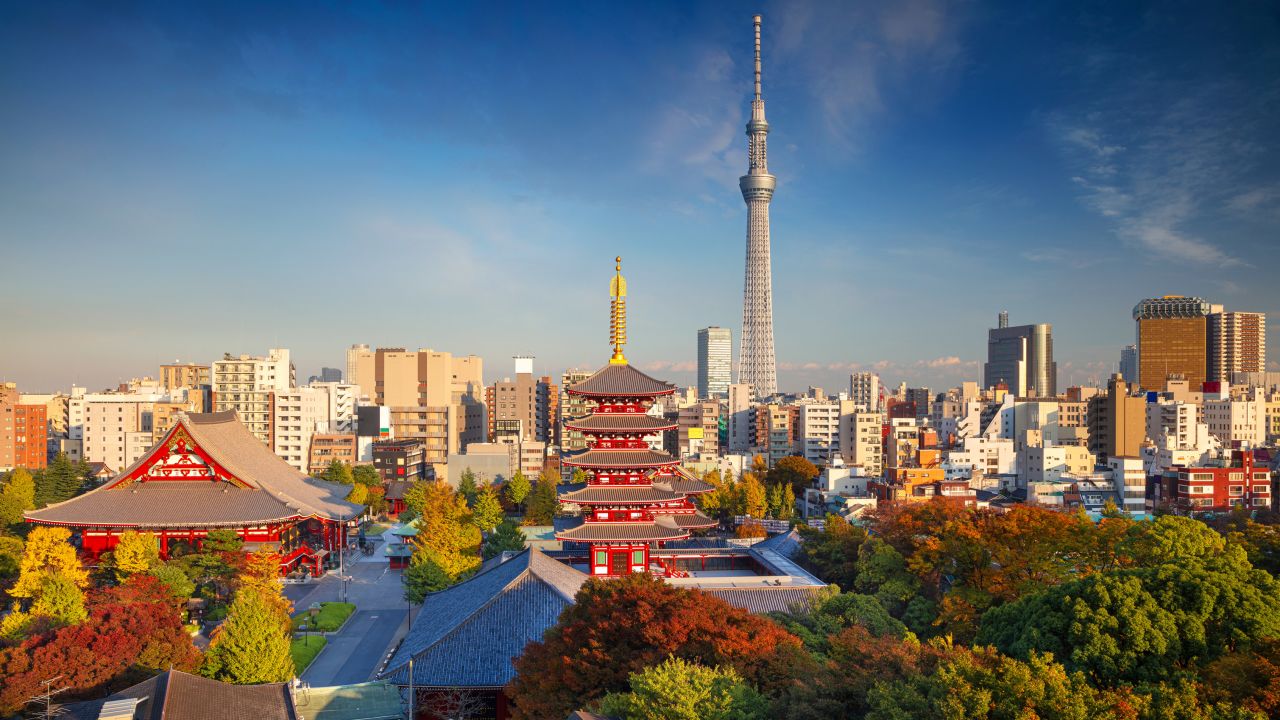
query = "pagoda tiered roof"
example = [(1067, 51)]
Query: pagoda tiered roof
[(621, 495), (621, 380), (692, 521), (207, 471), (620, 422), (605, 458), (660, 529)]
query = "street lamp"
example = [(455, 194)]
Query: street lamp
[(306, 639)]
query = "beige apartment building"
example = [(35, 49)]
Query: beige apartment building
[(432, 396), (185, 375), (1117, 421)]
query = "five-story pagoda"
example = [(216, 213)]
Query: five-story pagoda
[(636, 497)]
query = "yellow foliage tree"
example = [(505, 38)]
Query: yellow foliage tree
[(48, 551), (755, 498), (135, 553), (262, 575)]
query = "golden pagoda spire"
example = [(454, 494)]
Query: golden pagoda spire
[(618, 313)]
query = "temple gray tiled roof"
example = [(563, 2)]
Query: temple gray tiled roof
[(275, 492), (175, 695), (469, 634), (621, 381), (766, 599)]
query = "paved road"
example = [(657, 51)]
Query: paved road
[(356, 652)]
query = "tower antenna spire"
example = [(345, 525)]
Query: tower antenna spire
[(618, 313), (757, 22)]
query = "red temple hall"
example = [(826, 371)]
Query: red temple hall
[(636, 497), (210, 472)]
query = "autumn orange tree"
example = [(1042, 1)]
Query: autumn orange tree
[(622, 626)]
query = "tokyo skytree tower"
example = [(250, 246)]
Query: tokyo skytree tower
[(757, 364)]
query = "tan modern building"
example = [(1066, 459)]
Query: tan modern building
[(1237, 344), (1117, 421), (327, 447), (861, 439), (525, 407), (117, 427), (185, 375), (432, 395), (698, 428), (1173, 333), (571, 407)]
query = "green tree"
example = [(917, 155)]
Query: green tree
[(486, 512), (677, 689), (832, 553), (447, 546), (517, 489), (17, 496), (467, 487), (578, 477), (755, 501), (251, 647), (61, 480), (338, 472), (366, 475), (882, 572), (48, 551), (507, 536), (223, 540), (781, 501), (135, 553), (60, 600), (10, 556), (173, 577), (544, 501)]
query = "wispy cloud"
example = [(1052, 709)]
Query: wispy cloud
[(670, 366), (1165, 159)]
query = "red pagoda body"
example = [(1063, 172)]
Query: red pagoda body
[(636, 497)]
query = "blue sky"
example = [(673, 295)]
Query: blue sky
[(179, 180)]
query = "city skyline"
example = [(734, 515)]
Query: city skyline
[(189, 182)]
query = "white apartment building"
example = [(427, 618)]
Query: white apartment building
[(818, 431), (861, 441), (247, 384), (1040, 464), (301, 412), (981, 455), (864, 390), (1130, 479), (1178, 437), (1242, 420)]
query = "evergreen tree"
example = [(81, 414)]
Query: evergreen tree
[(338, 472), (366, 475), (544, 501), (486, 512), (62, 480), (135, 553), (251, 647), (507, 536), (517, 489), (578, 477), (17, 496), (173, 577), (47, 552), (467, 487), (676, 689)]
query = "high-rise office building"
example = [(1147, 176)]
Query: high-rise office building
[(1022, 358), (1173, 340), (1237, 343), (757, 362), (715, 361), (1129, 362)]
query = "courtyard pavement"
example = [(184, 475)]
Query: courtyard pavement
[(356, 652)]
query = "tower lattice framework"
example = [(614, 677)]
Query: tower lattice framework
[(757, 362)]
